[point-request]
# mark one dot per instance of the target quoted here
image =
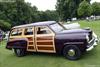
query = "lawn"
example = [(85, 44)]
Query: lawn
[(89, 59)]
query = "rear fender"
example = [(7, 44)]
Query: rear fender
[(17, 43)]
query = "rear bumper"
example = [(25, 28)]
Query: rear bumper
[(91, 44)]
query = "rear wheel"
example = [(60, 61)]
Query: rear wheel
[(20, 52), (72, 52)]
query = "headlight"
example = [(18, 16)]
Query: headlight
[(87, 38)]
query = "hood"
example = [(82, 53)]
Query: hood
[(75, 31), (72, 26)]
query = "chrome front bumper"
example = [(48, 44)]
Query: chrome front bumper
[(91, 44)]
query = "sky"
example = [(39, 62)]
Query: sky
[(43, 5), (95, 1)]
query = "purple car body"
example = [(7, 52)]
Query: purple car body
[(1, 36)]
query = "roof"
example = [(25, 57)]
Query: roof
[(45, 23)]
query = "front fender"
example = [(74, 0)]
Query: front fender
[(73, 43), (81, 45)]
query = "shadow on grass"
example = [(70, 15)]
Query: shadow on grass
[(50, 55)]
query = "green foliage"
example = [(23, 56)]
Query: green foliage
[(48, 15), (20, 12), (67, 9), (96, 8), (84, 9), (4, 25)]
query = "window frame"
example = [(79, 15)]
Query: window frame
[(16, 35), (32, 31), (43, 34)]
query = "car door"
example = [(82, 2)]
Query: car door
[(29, 35), (44, 38)]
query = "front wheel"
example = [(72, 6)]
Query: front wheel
[(20, 52), (72, 52)]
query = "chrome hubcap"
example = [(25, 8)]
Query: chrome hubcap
[(71, 52)]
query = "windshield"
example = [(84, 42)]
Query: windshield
[(57, 27)]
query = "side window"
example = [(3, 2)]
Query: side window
[(28, 31), (16, 32), (43, 30)]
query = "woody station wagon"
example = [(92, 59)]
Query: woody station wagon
[(50, 37)]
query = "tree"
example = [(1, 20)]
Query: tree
[(51, 15), (24, 12), (67, 9), (84, 9), (19, 12), (7, 11), (96, 8), (4, 25), (47, 15)]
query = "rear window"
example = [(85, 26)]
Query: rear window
[(16, 32)]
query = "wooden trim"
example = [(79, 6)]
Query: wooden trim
[(45, 45), (34, 40), (16, 36), (44, 40), (54, 44), (39, 35), (46, 51), (52, 34)]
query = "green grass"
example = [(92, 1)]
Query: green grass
[(89, 59)]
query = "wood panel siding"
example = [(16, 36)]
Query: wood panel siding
[(30, 38), (31, 43), (45, 43), (44, 38), (45, 48)]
